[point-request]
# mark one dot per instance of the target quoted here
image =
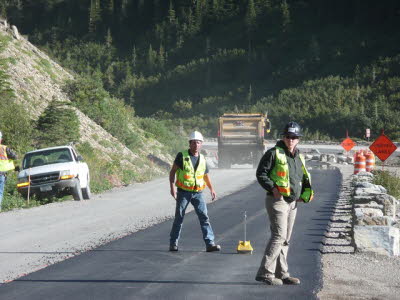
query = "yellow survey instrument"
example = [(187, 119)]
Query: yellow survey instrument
[(244, 246)]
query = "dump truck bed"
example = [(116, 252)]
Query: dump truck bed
[(241, 128)]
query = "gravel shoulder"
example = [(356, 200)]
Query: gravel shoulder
[(360, 275)]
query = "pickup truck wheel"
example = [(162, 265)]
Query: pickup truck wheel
[(77, 192), (86, 192)]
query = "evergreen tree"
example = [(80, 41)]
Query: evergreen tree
[(151, 58), (285, 14), (249, 95), (109, 39), (251, 16), (94, 15), (134, 57), (199, 13), (161, 56), (58, 125), (171, 14)]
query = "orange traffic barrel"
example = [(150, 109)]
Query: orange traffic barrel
[(369, 161), (359, 163)]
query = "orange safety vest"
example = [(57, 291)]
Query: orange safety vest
[(189, 180), (6, 164), (280, 176)]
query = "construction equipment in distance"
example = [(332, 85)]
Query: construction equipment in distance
[(244, 246), (241, 138)]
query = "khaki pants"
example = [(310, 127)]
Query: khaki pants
[(281, 215)]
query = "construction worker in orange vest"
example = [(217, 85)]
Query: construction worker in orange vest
[(283, 174), (6, 164), (192, 177)]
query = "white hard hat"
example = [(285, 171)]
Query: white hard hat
[(195, 135)]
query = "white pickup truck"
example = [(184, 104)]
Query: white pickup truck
[(57, 171)]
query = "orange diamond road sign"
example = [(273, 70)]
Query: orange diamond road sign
[(383, 147), (348, 144)]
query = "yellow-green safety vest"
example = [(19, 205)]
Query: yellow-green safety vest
[(280, 176), (5, 163), (189, 180)]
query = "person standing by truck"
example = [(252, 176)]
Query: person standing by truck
[(6, 164), (191, 171), (283, 174)]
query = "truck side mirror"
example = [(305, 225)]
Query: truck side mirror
[(79, 158), (17, 169)]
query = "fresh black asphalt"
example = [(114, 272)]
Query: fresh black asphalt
[(140, 266)]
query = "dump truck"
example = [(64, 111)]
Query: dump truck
[(241, 138)]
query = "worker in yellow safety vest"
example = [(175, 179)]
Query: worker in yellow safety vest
[(6, 164), (282, 173), (190, 168)]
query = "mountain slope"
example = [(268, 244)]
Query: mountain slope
[(36, 80)]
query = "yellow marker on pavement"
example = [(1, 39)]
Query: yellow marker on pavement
[(244, 246)]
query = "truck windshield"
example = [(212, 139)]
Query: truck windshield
[(46, 157)]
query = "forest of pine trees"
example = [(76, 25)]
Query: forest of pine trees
[(331, 65)]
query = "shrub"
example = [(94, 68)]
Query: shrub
[(58, 125), (389, 181)]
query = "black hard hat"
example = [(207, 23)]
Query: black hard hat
[(292, 128)]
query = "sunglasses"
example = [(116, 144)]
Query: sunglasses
[(289, 137)]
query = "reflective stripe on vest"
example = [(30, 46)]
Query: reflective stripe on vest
[(280, 176), (5, 163), (189, 180)]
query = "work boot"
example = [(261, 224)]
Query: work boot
[(291, 280), (269, 281), (173, 248), (212, 248)]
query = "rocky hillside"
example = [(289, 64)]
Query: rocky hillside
[(36, 80)]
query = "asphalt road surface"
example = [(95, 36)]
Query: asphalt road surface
[(140, 266)]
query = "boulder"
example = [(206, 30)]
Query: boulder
[(366, 220), (332, 158), (367, 212), (365, 174), (362, 199), (308, 156), (366, 188), (387, 201), (377, 239), (4, 23), (389, 204), (15, 32), (315, 151), (369, 204), (316, 157)]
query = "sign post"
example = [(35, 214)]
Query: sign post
[(383, 147)]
